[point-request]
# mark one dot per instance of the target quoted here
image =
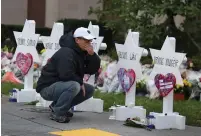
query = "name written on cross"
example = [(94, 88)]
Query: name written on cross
[(50, 46), (124, 55), (166, 61), (22, 41)]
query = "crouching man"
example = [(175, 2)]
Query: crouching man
[(61, 79)]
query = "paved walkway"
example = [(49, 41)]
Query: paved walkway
[(18, 119)]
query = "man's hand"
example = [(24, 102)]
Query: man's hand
[(83, 90), (90, 50)]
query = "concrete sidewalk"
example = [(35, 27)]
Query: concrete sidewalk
[(25, 120)]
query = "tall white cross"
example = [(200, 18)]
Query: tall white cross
[(94, 29), (51, 43), (26, 43), (92, 104), (27, 40), (129, 58), (166, 61)]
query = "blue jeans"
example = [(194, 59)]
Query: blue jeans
[(65, 95)]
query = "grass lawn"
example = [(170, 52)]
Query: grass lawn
[(6, 87), (191, 109)]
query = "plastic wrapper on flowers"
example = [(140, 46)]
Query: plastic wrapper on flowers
[(102, 72), (6, 53), (110, 79), (11, 73), (10, 77), (196, 89)]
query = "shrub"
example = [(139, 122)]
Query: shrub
[(7, 32), (146, 60), (113, 54), (196, 62)]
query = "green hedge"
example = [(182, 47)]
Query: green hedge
[(196, 62), (7, 32), (146, 60)]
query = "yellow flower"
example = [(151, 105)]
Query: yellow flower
[(185, 82), (189, 84), (177, 86), (42, 51)]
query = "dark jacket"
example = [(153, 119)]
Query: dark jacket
[(69, 63)]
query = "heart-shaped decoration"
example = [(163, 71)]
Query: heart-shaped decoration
[(126, 78), (165, 84), (24, 62)]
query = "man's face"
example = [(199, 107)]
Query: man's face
[(83, 43)]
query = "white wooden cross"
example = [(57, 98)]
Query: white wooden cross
[(92, 104), (166, 61), (94, 29), (129, 58), (51, 43), (26, 43)]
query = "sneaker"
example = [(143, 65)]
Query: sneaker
[(60, 119), (68, 114)]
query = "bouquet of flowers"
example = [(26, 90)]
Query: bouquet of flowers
[(196, 89), (180, 89), (5, 52)]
